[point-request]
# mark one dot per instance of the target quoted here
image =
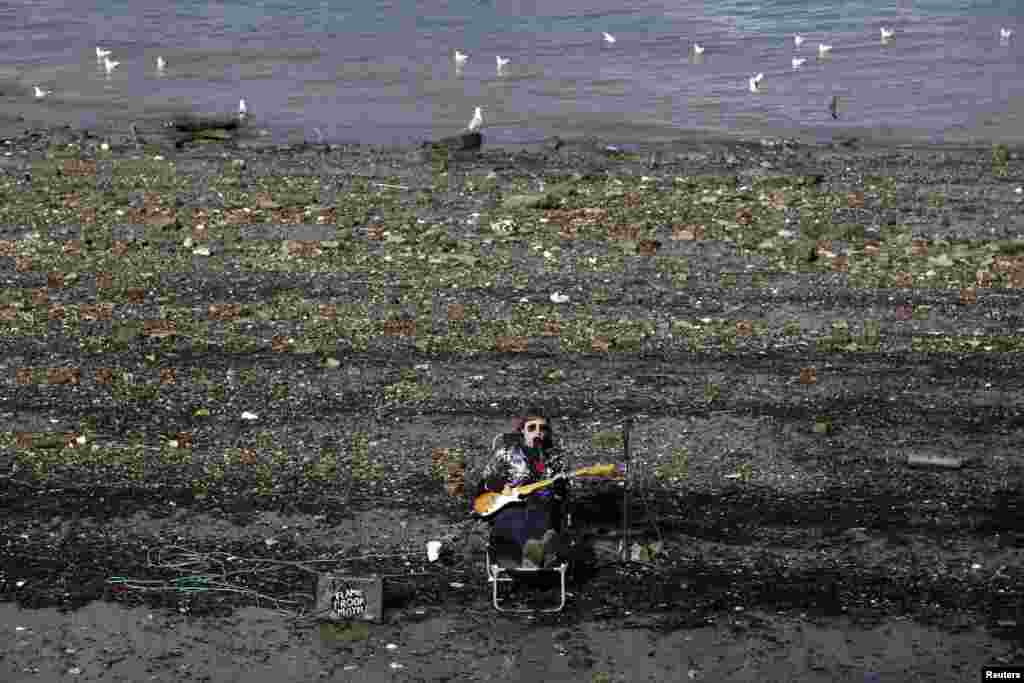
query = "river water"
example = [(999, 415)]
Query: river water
[(383, 72)]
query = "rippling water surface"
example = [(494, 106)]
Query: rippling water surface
[(383, 72)]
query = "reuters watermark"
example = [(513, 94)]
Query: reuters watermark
[(1002, 673)]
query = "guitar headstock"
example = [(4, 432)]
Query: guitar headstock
[(613, 470)]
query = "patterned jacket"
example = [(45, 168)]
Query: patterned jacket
[(514, 465)]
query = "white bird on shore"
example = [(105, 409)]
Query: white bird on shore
[(40, 93), (243, 109), (101, 53), (109, 65), (608, 38), (798, 62), (478, 120), (460, 58), (887, 34), (824, 49), (502, 62), (798, 40), (1005, 33), (161, 63), (755, 83), (698, 49)]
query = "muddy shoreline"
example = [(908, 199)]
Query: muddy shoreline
[(780, 496)]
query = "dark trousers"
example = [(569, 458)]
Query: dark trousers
[(517, 523)]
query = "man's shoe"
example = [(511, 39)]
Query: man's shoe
[(533, 553), (552, 545)]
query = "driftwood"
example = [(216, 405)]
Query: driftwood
[(463, 142), (195, 128), (947, 462), (462, 146), (191, 123)]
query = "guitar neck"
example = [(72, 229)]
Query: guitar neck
[(530, 488), (599, 470)]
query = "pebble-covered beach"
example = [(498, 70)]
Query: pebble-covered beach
[(226, 348)]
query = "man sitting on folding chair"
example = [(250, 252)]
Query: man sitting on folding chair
[(526, 533)]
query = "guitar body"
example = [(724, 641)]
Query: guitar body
[(486, 504)]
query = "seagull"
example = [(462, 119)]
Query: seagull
[(798, 62), (101, 53), (609, 38), (755, 83), (460, 58), (161, 63), (40, 93), (1005, 33), (798, 40), (823, 49), (502, 61), (109, 65), (698, 49), (887, 33), (243, 110), (478, 120), (558, 298)]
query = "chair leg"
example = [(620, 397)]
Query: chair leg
[(497, 577)]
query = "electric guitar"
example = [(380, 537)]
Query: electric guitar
[(486, 504)]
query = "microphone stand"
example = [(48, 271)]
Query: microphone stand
[(626, 427)]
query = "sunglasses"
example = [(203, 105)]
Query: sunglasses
[(533, 426)]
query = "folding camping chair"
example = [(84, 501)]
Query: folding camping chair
[(499, 575)]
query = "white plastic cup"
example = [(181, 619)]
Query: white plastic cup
[(433, 550)]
